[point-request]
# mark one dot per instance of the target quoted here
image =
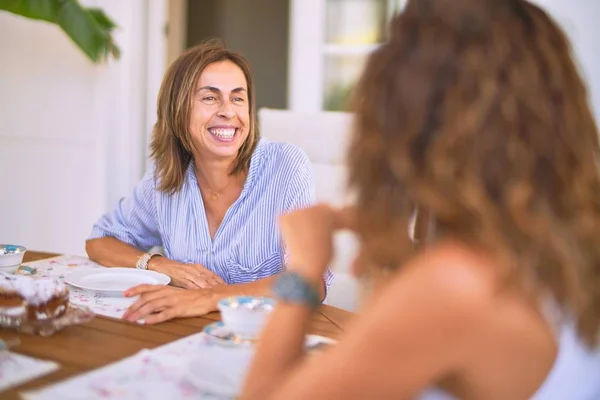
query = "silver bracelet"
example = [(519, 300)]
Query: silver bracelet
[(144, 259)]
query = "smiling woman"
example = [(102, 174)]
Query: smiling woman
[(212, 198)]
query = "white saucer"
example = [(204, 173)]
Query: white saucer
[(220, 334), (114, 281)]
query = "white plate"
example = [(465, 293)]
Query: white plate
[(114, 281)]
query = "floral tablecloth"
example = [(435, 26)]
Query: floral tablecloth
[(166, 372), (193, 367), (60, 266), (16, 369)]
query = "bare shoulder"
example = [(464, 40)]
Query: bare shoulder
[(426, 316), (452, 275), (457, 266)]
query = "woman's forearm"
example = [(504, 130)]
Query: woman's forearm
[(260, 287), (280, 349), (112, 252)]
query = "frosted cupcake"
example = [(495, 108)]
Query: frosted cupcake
[(45, 298), (36, 299), (12, 303)]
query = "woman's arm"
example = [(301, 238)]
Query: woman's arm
[(161, 303), (120, 237), (301, 193), (260, 287), (111, 252), (420, 328)]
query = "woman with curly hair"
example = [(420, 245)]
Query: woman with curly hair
[(475, 111)]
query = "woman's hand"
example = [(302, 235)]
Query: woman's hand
[(345, 218), (308, 237), (160, 303), (187, 276)]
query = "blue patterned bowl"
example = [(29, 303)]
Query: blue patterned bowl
[(11, 256)]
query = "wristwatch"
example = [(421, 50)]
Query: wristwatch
[(144, 259), (292, 287)]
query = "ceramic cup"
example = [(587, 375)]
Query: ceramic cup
[(245, 316), (11, 257)]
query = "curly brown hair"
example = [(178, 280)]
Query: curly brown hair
[(171, 145), (475, 111)]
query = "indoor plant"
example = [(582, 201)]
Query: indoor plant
[(90, 28)]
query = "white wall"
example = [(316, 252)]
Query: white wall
[(581, 21), (72, 134)]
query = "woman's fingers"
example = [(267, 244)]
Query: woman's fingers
[(218, 279), (215, 282), (212, 279), (164, 315), (205, 278), (345, 218), (308, 236), (193, 282), (189, 278), (194, 276), (141, 289), (147, 297), (208, 275), (147, 307)]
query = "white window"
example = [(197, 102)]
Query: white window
[(329, 43)]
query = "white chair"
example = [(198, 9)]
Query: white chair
[(324, 137)]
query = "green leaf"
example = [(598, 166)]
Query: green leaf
[(102, 19), (44, 10), (90, 28)]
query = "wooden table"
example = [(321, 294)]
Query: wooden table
[(105, 340)]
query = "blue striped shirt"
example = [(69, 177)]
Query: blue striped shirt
[(247, 246)]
